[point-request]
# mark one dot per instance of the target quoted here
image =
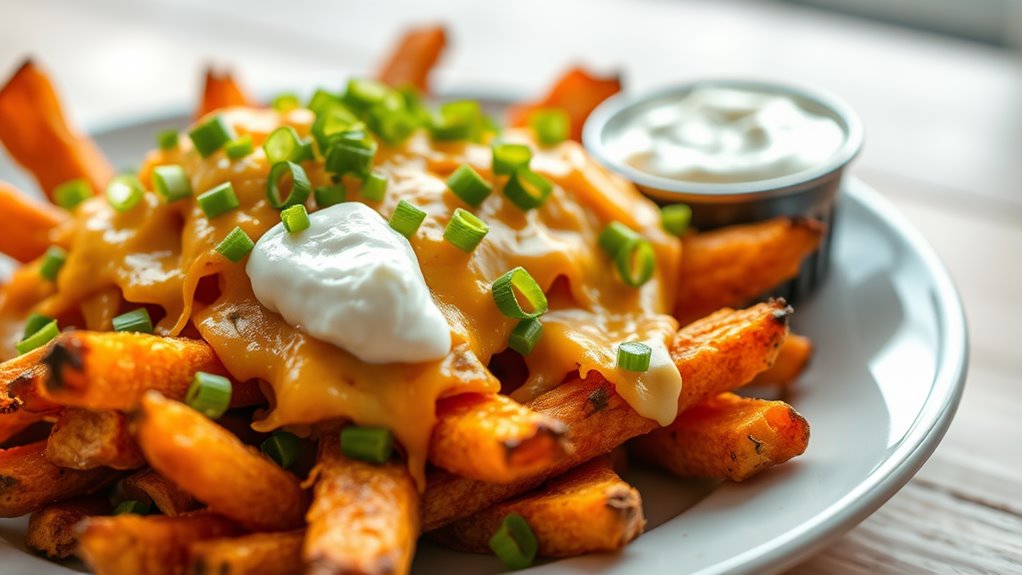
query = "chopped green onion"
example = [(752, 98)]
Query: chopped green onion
[(465, 230), (283, 448), (458, 121), (136, 320), (633, 356), (218, 201), (372, 444), (211, 135), (635, 262), (285, 102), (322, 101), (284, 145), (406, 218), (509, 157), (362, 94), (53, 260), (468, 185), (327, 196), (552, 125), (374, 187), (167, 140), (172, 183), (295, 218), (525, 336), (392, 126), (332, 123), (527, 189), (239, 147), (280, 175), (133, 507), (124, 192), (70, 194), (615, 236), (209, 394), (34, 323), (676, 218), (514, 543), (41, 337), (350, 155), (236, 245), (518, 280)]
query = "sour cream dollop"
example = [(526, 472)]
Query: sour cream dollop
[(351, 280)]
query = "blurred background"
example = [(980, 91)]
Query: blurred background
[(938, 84)]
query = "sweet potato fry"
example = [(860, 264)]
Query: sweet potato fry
[(221, 90), (364, 518), (38, 136), (14, 422), (154, 545), (111, 371), (27, 224), (28, 480), (791, 362), (716, 354), (577, 92), (413, 59), (51, 530), (494, 439), (210, 463), (727, 437), (84, 439), (587, 510), (257, 554), (170, 499), (730, 266)]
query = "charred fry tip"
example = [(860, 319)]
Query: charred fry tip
[(7, 482), (26, 63), (807, 223), (63, 354), (782, 310)]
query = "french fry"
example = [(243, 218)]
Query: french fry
[(111, 371), (726, 437), (413, 59), (14, 422), (256, 554), (29, 481), (791, 362), (577, 92), (364, 518), (170, 499), (220, 90), (27, 224), (51, 530), (84, 439), (38, 136), (494, 439), (587, 510), (716, 354), (154, 545), (730, 266), (210, 463)]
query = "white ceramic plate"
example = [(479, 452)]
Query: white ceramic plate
[(882, 389)]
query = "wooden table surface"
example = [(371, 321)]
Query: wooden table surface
[(944, 142)]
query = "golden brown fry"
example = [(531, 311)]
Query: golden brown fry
[(730, 266), (577, 92), (414, 57), (27, 224), (154, 545), (791, 362), (29, 481), (587, 510), (494, 439), (51, 529), (111, 371), (716, 354), (364, 518), (170, 499), (84, 439), (221, 90), (14, 422), (257, 554), (209, 462), (728, 437), (38, 136)]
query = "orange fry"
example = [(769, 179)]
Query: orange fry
[(28, 480), (413, 59), (577, 92), (84, 439), (170, 499), (256, 554), (221, 90), (27, 224), (791, 362), (51, 530)]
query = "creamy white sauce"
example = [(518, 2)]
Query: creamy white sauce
[(653, 393), (350, 280), (728, 135)]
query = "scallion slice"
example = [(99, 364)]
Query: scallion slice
[(350, 155), (239, 147), (527, 189), (514, 543), (284, 145), (70, 194), (211, 135), (172, 183), (465, 230), (551, 125), (209, 394), (406, 218), (136, 320), (295, 218), (525, 336), (327, 196), (41, 337), (323, 100), (461, 120), (468, 185), (133, 507), (615, 236), (675, 218), (281, 175), (236, 245), (285, 102), (218, 201), (53, 260), (635, 262), (124, 192), (371, 444), (633, 356), (374, 186), (518, 281), (362, 94), (392, 126), (283, 448), (167, 140), (34, 323), (332, 123), (509, 157)]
